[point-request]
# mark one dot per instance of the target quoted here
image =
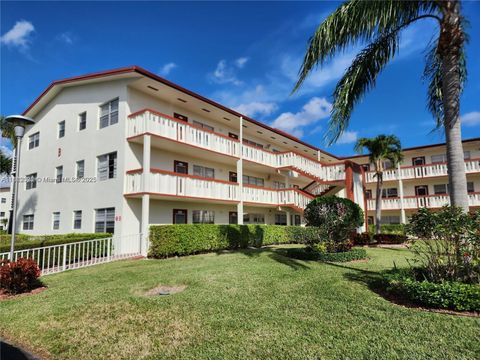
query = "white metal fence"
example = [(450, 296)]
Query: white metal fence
[(57, 258)]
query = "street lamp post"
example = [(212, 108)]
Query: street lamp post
[(19, 123)]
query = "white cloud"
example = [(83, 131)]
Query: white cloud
[(18, 35), (314, 110), (347, 137), (471, 118), (256, 108), (66, 37), (167, 68), (224, 74), (240, 62)]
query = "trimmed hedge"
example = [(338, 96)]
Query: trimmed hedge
[(446, 295), (30, 242), (398, 229), (305, 254), (390, 238), (188, 239), (364, 238)]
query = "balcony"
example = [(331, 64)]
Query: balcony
[(422, 171), (165, 184), (166, 127), (416, 202)]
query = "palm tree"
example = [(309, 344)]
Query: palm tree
[(379, 23), (380, 148), (5, 163)]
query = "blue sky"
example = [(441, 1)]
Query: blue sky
[(245, 55)]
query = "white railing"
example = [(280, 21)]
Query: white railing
[(148, 121), (57, 258), (415, 202), (165, 183), (422, 171)]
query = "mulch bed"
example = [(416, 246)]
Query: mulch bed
[(7, 296)]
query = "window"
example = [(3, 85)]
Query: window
[(4, 200), (253, 219), (441, 158), (466, 155), (202, 125), (28, 222), (366, 167), (203, 217), (252, 180), (389, 193), (2, 214), (31, 182), (179, 216), (278, 185), (34, 140), (370, 220), (368, 194), (470, 187), (82, 121), (203, 171), (421, 190), (105, 220), (180, 167), (295, 220), (387, 164), (252, 143), (77, 219), (440, 189), (180, 117), (80, 169), (420, 160), (232, 176), (109, 113), (61, 129), (107, 166), (280, 219), (233, 217), (233, 136), (391, 219), (59, 174), (56, 221)]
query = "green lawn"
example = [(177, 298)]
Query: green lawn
[(253, 304)]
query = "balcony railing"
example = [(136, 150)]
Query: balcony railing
[(416, 202), (422, 171), (166, 183), (149, 121)]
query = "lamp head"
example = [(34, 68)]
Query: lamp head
[(19, 122)]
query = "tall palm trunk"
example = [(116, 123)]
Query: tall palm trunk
[(378, 204), (450, 44)]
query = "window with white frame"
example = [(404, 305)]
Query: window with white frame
[(107, 166), (253, 218), (82, 121), (252, 143), (252, 180), (31, 181), (440, 189), (203, 171), (202, 125), (80, 169), (105, 220), (77, 219), (28, 222), (439, 158), (203, 217), (466, 155), (278, 185), (59, 174), (392, 219), (4, 200), (109, 113), (34, 140), (389, 193), (56, 220), (61, 129), (280, 219), (470, 187)]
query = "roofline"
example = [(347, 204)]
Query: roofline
[(412, 148), (164, 81)]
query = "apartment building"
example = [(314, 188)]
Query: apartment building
[(119, 150), (5, 205), (421, 180)]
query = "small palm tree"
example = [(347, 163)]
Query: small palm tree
[(379, 23), (380, 148), (5, 163)]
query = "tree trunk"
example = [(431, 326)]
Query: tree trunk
[(450, 47), (378, 204)]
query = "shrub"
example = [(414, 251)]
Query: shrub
[(308, 254), (398, 229), (19, 276), (390, 238), (173, 240), (362, 239), (336, 218), (445, 295)]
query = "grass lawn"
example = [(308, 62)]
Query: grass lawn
[(254, 304)]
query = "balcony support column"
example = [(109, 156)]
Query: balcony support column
[(145, 222), (240, 175), (403, 219), (289, 221)]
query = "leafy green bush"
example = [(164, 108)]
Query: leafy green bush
[(187, 239), (398, 229), (390, 238), (445, 295), (30, 242), (308, 254), (336, 218)]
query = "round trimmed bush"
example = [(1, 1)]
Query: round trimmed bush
[(444, 295), (308, 254)]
